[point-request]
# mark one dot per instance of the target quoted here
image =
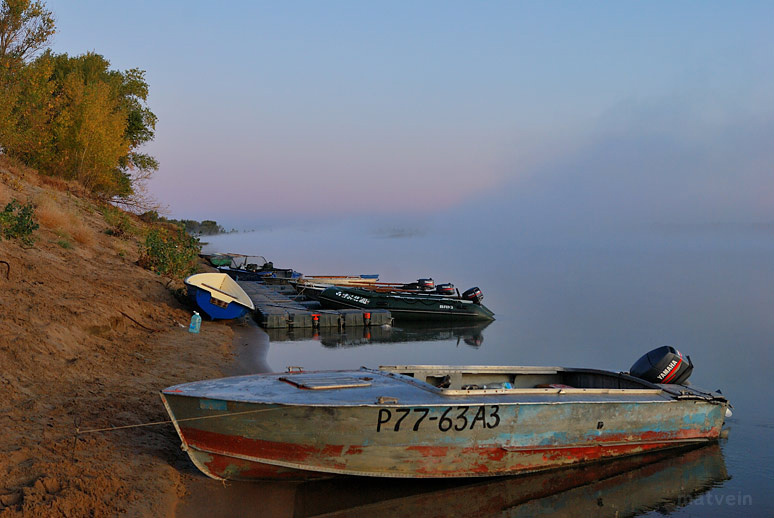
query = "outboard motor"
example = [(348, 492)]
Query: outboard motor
[(426, 284), (445, 289), (663, 365), (473, 294), (421, 285)]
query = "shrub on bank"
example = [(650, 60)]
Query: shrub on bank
[(170, 252), (17, 221), (119, 222)]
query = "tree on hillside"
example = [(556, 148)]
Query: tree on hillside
[(75, 118), (26, 111), (25, 28), (72, 117)]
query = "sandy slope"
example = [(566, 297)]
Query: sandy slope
[(88, 338)]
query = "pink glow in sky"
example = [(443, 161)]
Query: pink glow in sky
[(347, 108)]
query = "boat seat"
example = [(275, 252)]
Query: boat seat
[(553, 385)]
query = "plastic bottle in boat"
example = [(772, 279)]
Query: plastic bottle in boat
[(196, 323)]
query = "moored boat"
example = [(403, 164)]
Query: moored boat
[(218, 295), (409, 305), (312, 285), (218, 259), (256, 268), (433, 421)]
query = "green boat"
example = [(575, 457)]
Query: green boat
[(409, 305)]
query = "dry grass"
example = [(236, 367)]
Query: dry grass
[(53, 182), (16, 168), (5, 194), (56, 216), (83, 235)]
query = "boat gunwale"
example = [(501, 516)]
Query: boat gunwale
[(662, 393)]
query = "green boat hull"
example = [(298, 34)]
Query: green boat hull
[(406, 306)]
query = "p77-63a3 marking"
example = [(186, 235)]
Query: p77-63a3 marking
[(452, 419)]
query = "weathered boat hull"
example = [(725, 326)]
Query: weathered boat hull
[(405, 306), (463, 437)]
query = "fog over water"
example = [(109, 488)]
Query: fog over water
[(569, 296), (658, 229)]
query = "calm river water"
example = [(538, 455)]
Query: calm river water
[(578, 299)]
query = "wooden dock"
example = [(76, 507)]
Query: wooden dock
[(276, 307)]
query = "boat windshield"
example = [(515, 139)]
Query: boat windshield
[(247, 262)]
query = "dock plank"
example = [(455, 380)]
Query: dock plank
[(276, 308)]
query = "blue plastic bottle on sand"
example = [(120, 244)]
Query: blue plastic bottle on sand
[(196, 323)]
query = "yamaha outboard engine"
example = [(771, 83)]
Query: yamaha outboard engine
[(473, 294), (663, 365), (445, 289)]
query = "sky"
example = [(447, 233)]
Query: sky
[(566, 111)]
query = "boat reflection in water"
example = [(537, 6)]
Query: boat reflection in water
[(630, 486), (355, 336)]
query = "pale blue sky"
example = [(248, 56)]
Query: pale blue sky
[(375, 107)]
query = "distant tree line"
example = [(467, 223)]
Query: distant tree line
[(195, 228), (72, 116), (203, 228)]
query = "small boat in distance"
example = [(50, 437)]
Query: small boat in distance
[(218, 296), (433, 421), (217, 259)]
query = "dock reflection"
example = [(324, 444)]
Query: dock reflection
[(357, 336), (626, 487)]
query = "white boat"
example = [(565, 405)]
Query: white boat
[(218, 295)]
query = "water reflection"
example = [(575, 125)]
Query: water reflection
[(626, 487), (471, 335), (632, 486)]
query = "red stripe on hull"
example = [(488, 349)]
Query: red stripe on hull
[(218, 455)]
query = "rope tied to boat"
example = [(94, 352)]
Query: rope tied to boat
[(78, 431)]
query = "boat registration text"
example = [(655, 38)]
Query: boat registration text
[(353, 298), (452, 419)]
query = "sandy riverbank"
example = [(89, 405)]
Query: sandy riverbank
[(87, 339)]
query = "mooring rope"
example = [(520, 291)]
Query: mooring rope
[(78, 431)]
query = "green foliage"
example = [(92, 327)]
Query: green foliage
[(25, 28), (170, 252), (64, 243), (71, 117), (150, 216), (119, 221), (17, 222)]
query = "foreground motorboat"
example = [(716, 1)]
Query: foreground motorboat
[(430, 421)]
